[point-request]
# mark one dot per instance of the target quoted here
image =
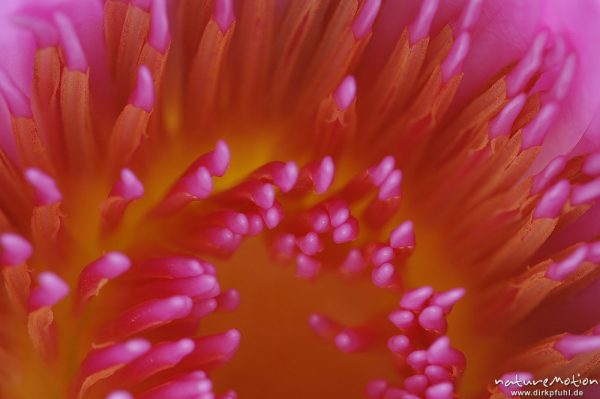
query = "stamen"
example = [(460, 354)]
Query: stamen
[(346, 232), (376, 388), (383, 275), (160, 357), (415, 299), (436, 374), (223, 14), (15, 250), (545, 177), (396, 393), (216, 161), (586, 193), (215, 240), (399, 345), (561, 270), (470, 14), (229, 395), (453, 62), (128, 186), (572, 345), (69, 39), (419, 29), (501, 125), (284, 247), (528, 66), (433, 318), (255, 224), (447, 300), (403, 236), (46, 191), (159, 37), (272, 216), (283, 175), (551, 204), (235, 221), (417, 360), (196, 386), (443, 390), (345, 94), (213, 350), (192, 186), (229, 300), (170, 268), (440, 353), (119, 353), (338, 211), (350, 340), (198, 287), (203, 308), (416, 384), (391, 186), (591, 166), (324, 327), (108, 358), (51, 289), (535, 132), (261, 194), (594, 252), (354, 263), (149, 315), (307, 267), (317, 220), (382, 255), (119, 395), (310, 244), (366, 16), (402, 319), (95, 275), (321, 174), (563, 82), (143, 94), (382, 170)]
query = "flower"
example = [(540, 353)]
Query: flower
[(428, 168)]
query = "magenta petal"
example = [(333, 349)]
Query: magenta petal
[(577, 22)]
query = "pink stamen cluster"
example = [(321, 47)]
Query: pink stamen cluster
[(437, 367), (548, 58), (178, 291), (313, 234)]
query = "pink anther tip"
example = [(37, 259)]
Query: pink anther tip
[(129, 187), (365, 19), (143, 94), (46, 191), (345, 94), (224, 14), (552, 202), (14, 249), (51, 289)]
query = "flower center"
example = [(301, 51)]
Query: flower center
[(279, 354)]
